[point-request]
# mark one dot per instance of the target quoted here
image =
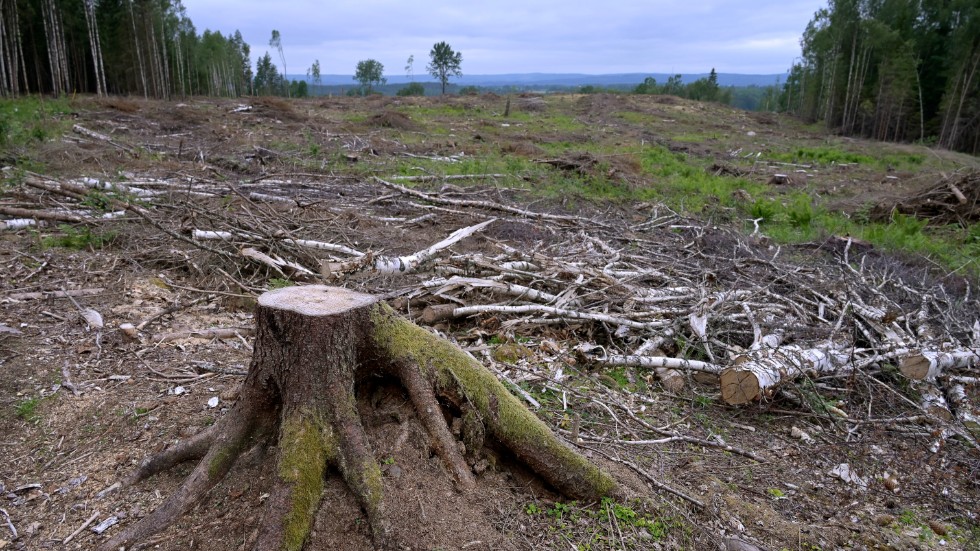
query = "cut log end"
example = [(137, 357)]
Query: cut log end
[(739, 387), (315, 300), (914, 367)]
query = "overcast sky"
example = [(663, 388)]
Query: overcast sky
[(522, 36)]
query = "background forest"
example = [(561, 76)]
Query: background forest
[(894, 70)]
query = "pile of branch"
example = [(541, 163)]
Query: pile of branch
[(953, 200), (667, 295)]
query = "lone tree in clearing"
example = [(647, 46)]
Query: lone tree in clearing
[(312, 343), (444, 62), (370, 73)]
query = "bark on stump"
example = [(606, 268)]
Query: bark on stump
[(312, 344)]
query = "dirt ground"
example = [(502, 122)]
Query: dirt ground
[(62, 451)]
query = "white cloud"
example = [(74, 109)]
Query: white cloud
[(518, 36)]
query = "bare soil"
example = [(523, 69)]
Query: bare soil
[(60, 451)]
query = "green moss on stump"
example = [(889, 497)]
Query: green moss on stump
[(221, 461), (452, 369), (306, 444)]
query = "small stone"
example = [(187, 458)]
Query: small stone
[(128, 329), (229, 395), (394, 471), (188, 431), (884, 519)]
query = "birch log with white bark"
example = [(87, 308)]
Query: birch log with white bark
[(965, 411), (561, 313), (929, 364), (489, 205), (509, 289), (759, 372), (396, 265), (652, 362)]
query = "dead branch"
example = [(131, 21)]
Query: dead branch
[(213, 333), (79, 129), (488, 205), (44, 295)]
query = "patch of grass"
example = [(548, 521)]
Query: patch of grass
[(822, 155), (26, 409), (78, 239), (279, 283), (26, 121), (606, 525)]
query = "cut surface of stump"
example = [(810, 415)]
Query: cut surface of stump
[(313, 345)]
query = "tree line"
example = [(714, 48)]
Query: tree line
[(138, 47), (902, 70)]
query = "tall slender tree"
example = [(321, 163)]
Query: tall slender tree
[(892, 69), (444, 63), (276, 42)]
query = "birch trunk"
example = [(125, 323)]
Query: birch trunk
[(929, 364), (756, 375)]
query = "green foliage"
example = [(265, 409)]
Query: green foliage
[(824, 155), (469, 91), (923, 56), (411, 89), (314, 73), (299, 89), (370, 73), (279, 283), (26, 409), (27, 121), (444, 63), (78, 239), (800, 211), (609, 524), (702, 401), (764, 209), (268, 81), (702, 89)]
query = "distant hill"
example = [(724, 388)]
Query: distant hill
[(525, 80)]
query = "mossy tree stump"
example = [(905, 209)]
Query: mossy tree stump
[(312, 344)]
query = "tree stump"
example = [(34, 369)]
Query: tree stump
[(313, 343)]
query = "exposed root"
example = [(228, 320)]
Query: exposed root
[(424, 399), (224, 442)]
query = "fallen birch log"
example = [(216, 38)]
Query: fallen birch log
[(934, 403), (276, 263), (393, 265), (489, 205), (214, 333), (758, 373), (79, 129), (429, 178), (41, 215), (561, 313), (929, 364), (219, 235), (964, 410), (40, 295), (508, 289), (17, 223), (649, 362)]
